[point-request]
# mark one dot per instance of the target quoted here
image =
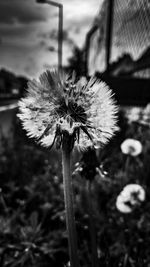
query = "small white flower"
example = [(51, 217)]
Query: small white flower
[(58, 103), (131, 196), (133, 114), (145, 118), (139, 114), (131, 147)]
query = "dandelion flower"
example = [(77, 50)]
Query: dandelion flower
[(131, 196), (131, 147), (57, 103), (63, 110)]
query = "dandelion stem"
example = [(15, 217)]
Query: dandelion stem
[(2, 200), (127, 164), (68, 196), (91, 225)]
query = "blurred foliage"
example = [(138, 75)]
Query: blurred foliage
[(76, 62), (32, 217)]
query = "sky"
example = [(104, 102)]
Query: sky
[(28, 33)]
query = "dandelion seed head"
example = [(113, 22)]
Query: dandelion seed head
[(131, 147), (130, 197), (59, 103)]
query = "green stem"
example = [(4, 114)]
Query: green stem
[(91, 225), (2, 200), (127, 163), (68, 196)]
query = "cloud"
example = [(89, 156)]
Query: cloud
[(23, 11), (53, 36), (17, 30)]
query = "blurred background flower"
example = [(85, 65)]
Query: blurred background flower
[(133, 114), (130, 197), (145, 116), (131, 147)]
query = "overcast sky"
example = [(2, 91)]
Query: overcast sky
[(28, 32)]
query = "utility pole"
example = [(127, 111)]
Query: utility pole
[(109, 28), (60, 28)]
